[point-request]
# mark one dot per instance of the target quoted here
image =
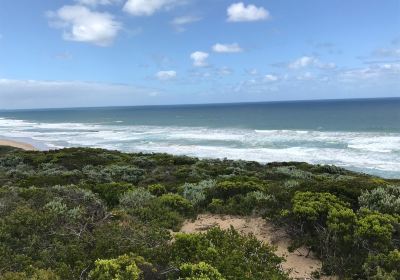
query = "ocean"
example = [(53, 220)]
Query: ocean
[(361, 135)]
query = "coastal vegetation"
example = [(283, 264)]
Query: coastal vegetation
[(83, 213)]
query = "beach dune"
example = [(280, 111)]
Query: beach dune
[(17, 144)]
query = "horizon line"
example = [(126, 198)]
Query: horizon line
[(200, 104)]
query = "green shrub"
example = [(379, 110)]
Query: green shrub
[(375, 230), (382, 199), (111, 192), (197, 193), (122, 268), (226, 189), (157, 189), (383, 266), (177, 203), (233, 255), (34, 274), (200, 271), (135, 199)]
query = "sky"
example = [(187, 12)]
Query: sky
[(83, 53)]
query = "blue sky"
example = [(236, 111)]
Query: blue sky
[(69, 53)]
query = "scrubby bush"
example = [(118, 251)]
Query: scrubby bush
[(197, 193), (177, 203), (375, 230), (62, 210), (383, 266), (33, 274), (233, 255), (124, 173), (227, 189), (200, 271), (111, 192), (122, 268), (382, 199), (157, 189), (136, 198)]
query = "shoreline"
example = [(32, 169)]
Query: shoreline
[(17, 144), (28, 144)]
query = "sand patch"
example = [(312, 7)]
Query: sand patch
[(16, 144), (297, 263)]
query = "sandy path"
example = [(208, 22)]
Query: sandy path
[(16, 144), (300, 266)]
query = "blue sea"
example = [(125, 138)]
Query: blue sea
[(361, 135)]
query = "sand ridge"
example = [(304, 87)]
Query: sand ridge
[(297, 264), (17, 144)]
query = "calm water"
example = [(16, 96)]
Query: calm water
[(362, 135)]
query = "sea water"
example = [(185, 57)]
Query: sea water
[(361, 135)]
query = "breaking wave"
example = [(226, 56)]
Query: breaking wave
[(371, 152)]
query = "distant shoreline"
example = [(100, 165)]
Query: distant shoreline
[(17, 144)]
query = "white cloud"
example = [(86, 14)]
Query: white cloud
[(239, 12), (83, 25), (307, 76), (94, 3), (166, 75), (224, 71), (271, 78), (308, 61), (149, 7), (180, 22), (375, 71), (303, 62), (199, 59), (227, 48), (184, 20), (252, 72)]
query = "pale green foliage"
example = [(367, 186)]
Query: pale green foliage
[(95, 174), (293, 172), (341, 221), (200, 271), (11, 160), (311, 205), (196, 193), (36, 274), (136, 198), (375, 229), (124, 173), (122, 268), (291, 184), (157, 189), (260, 196), (58, 207), (382, 199), (383, 266), (20, 171)]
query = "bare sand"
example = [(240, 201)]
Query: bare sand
[(297, 263), (17, 144)]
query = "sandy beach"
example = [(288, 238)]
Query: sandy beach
[(17, 144)]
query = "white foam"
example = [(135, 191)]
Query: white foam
[(373, 152)]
